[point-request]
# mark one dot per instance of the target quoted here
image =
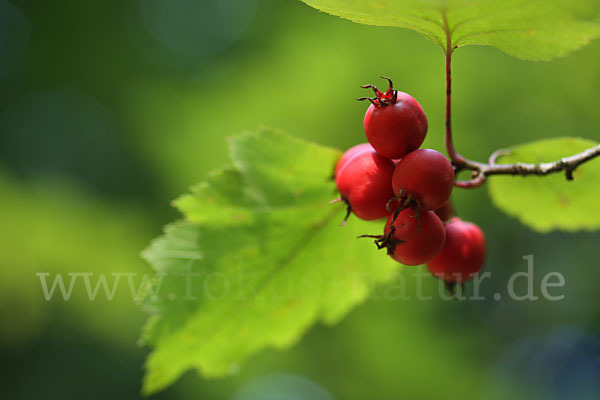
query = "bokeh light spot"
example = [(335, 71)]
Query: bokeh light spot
[(14, 35), (194, 28), (282, 387)]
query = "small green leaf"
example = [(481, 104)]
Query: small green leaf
[(550, 202), (270, 256), (527, 29)]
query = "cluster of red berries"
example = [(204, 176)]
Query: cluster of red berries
[(390, 177)]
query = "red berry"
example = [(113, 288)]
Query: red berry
[(445, 212), (413, 239), (351, 152), (424, 177), (365, 183), (395, 123), (463, 254)]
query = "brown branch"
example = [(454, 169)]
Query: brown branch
[(456, 158), (482, 170)]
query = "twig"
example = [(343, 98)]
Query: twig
[(456, 158), (481, 171)]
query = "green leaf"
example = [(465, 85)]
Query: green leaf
[(271, 258), (550, 202), (527, 29)]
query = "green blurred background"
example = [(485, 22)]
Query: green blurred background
[(109, 109)]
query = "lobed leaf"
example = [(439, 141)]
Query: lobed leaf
[(270, 256), (526, 29)]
